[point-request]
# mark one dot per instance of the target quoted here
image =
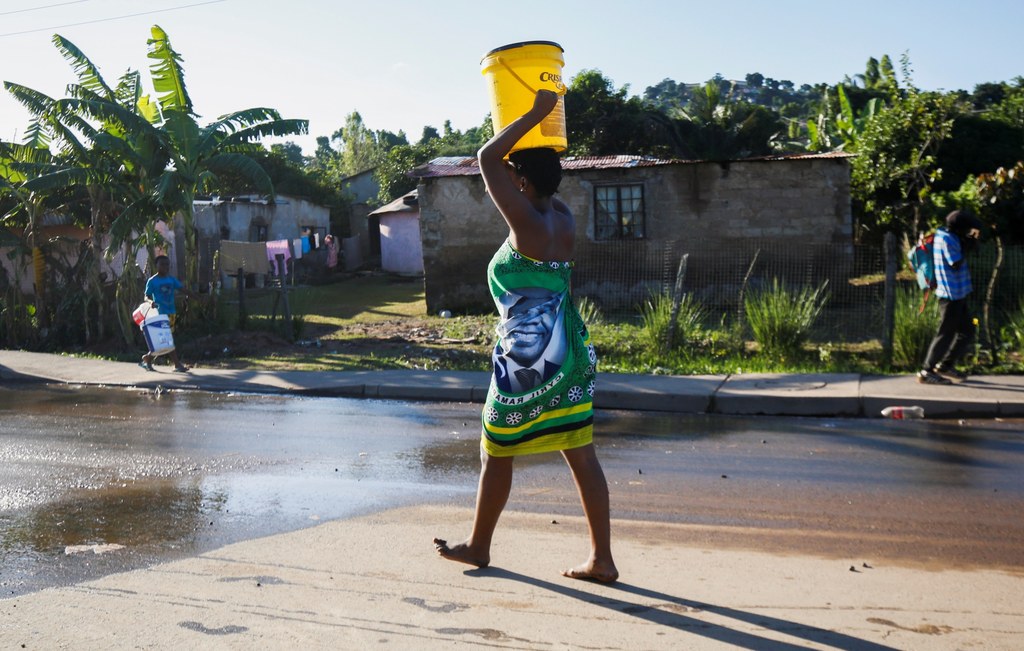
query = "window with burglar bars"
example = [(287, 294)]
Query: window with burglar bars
[(619, 212)]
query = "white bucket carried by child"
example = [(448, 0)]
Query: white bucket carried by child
[(139, 315), (156, 328)]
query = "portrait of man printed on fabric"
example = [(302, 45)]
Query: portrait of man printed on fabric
[(532, 344)]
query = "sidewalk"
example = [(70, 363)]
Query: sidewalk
[(374, 582), (750, 394)]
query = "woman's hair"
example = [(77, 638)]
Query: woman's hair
[(541, 168)]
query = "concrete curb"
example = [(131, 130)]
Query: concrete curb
[(810, 394)]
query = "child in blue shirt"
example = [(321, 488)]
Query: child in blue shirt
[(160, 289)]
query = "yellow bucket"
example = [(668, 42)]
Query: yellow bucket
[(514, 75)]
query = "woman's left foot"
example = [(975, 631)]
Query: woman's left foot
[(460, 553), (602, 573)]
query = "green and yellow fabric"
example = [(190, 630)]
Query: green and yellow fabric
[(542, 389)]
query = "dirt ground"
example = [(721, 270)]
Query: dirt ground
[(418, 341)]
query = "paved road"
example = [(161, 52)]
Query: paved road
[(180, 473)]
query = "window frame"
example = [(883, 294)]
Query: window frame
[(636, 229)]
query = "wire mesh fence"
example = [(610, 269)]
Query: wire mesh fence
[(619, 276)]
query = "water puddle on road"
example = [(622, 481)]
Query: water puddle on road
[(102, 480)]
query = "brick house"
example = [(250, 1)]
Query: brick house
[(636, 216)]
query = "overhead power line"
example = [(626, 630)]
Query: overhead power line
[(112, 18), (59, 4)]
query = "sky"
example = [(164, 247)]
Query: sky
[(404, 65)]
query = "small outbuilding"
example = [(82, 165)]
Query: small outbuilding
[(401, 249)]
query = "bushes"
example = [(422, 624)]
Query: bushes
[(1013, 331), (781, 319), (589, 311), (656, 316), (913, 329)]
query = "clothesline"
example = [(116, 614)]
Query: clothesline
[(261, 257)]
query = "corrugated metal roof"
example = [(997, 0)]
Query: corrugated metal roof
[(447, 166), (467, 165), (801, 156), (408, 202)]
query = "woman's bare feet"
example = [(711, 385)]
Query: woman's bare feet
[(593, 571), (461, 553)]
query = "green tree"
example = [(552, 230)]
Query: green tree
[(879, 75), (392, 173), (429, 133), (83, 163), (602, 120), (141, 160), (1010, 109), (895, 170), (352, 149), (359, 150), (666, 94), (290, 151), (714, 127), (978, 143)]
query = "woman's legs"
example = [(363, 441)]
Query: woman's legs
[(491, 496), (593, 490)]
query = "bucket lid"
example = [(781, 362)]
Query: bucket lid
[(512, 46)]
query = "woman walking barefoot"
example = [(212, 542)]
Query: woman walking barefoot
[(541, 393)]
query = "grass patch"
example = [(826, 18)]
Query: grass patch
[(365, 299)]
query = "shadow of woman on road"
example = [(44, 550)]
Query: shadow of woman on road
[(668, 610)]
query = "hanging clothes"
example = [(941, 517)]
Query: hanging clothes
[(250, 256), (275, 248)]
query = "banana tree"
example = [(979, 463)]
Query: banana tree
[(850, 126), (198, 153), (842, 131), (19, 165), (112, 166), (106, 148)]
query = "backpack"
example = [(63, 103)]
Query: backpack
[(922, 261)]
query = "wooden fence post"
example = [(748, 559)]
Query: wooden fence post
[(243, 317), (890, 251)]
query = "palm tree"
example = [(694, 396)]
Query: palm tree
[(139, 160), (197, 154), (108, 149), (19, 165)]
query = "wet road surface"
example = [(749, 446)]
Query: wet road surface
[(95, 480)]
